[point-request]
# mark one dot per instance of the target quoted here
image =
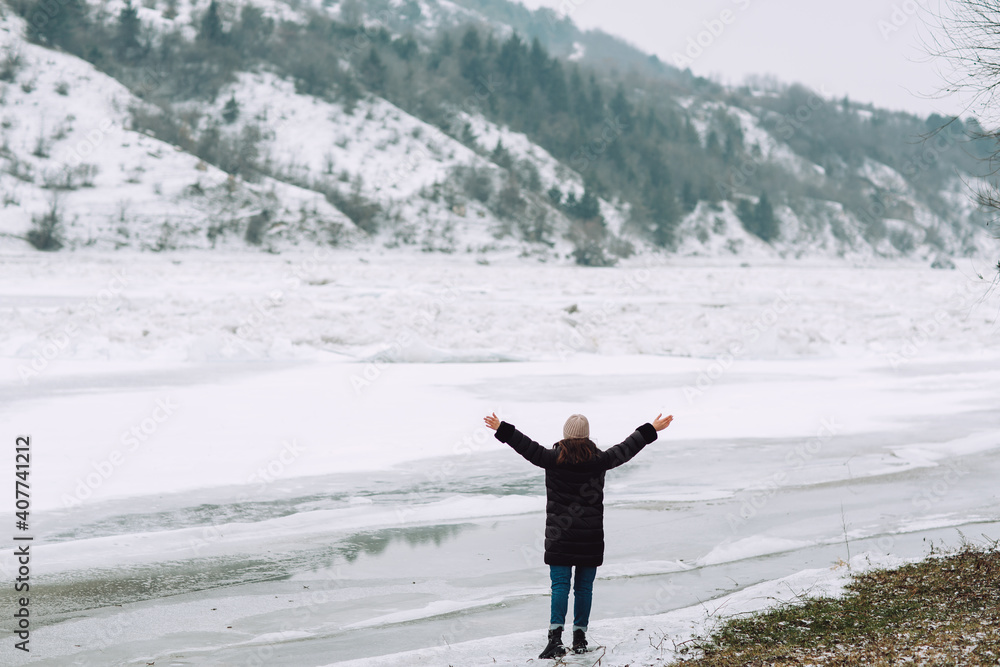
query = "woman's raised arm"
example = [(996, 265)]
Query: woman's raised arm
[(520, 443), (632, 445)]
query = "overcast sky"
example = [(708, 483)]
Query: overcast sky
[(869, 50)]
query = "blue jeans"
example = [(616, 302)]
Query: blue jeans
[(583, 595)]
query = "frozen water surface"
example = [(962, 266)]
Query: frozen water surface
[(318, 489)]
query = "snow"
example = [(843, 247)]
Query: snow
[(644, 639), (133, 190), (127, 189), (884, 177), (394, 153), (257, 458), (305, 479), (771, 149), (749, 547), (552, 172), (140, 190), (392, 307)]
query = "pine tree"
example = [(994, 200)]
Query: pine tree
[(664, 215), (577, 95), (570, 203), (767, 225), (529, 176), (621, 110), (758, 219), (472, 65), (501, 156), (712, 144), (447, 46), (745, 212), (58, 24), (556, 89), (126, 42), (689, 198), (509, 60), (586, 208), (231, 111), (405, 47), (373, 70), (690, 133), (509, 202), (252, 32), (411, 11), (442, 50), (210, 30), (470, 41), (595, 112), (538, 63), (468, 136)]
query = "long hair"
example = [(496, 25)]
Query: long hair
[(576, 450)]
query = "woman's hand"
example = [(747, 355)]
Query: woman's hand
[(492, 421), (662, 422)]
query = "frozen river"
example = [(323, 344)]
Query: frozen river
[(318, 488)]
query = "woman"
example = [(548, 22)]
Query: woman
[(574, 512)]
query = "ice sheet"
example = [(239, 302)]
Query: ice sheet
[(317, 489)]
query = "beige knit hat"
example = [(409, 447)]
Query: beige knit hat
[(576, 426)]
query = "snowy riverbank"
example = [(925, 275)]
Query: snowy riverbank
[(642, 640)]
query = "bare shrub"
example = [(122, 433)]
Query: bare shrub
[(10, 65), (256, 227), (46, 229)]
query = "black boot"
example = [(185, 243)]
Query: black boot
[(579, 641), (555, 648)]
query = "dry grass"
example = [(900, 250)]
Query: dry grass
[(944, 610)]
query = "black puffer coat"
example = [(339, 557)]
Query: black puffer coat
[(574, 511)]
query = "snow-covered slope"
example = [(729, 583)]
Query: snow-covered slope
[(66, 144), (68, 150), (823, 227), (391, 158)]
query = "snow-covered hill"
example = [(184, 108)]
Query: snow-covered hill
[(65, 146), (67, 143), (69, 152)]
